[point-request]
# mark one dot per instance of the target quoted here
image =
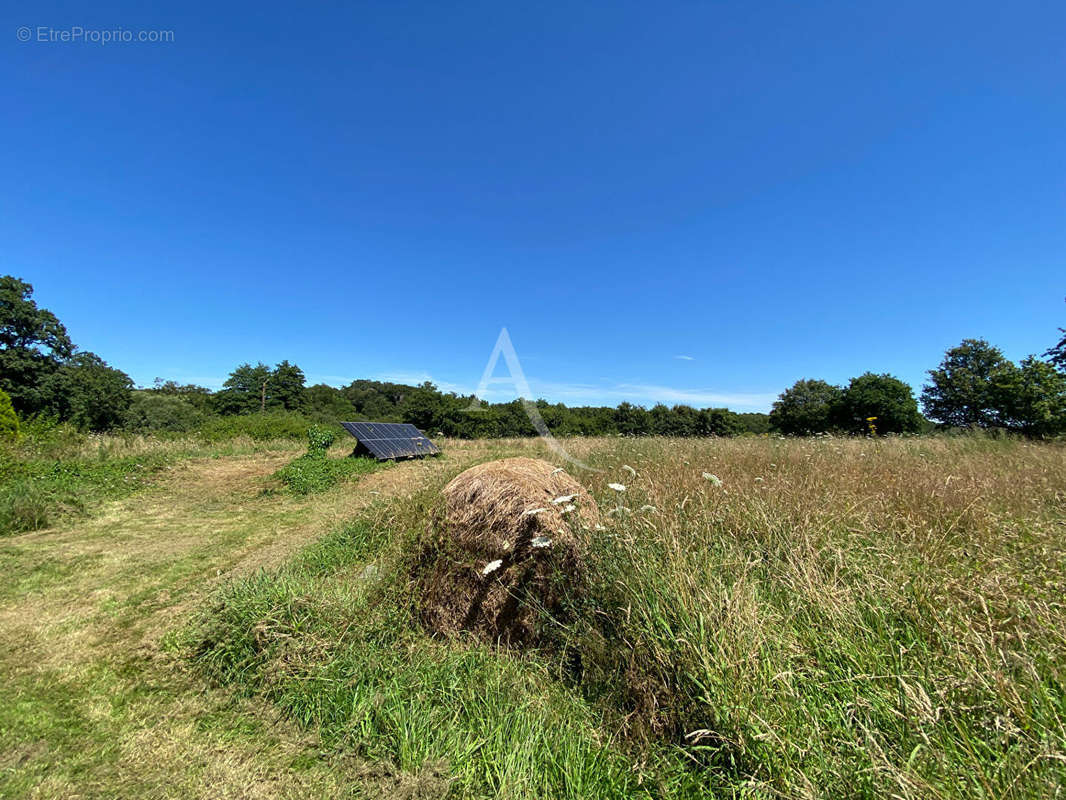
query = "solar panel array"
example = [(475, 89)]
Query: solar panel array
[(385, 440)]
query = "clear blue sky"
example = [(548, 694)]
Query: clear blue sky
[(771, 190)]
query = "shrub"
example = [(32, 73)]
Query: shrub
[(160, 412), (319, 440), (9, 421), (314, 472), (275, 425)]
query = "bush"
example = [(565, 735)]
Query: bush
[(9, 421), (35, 494), (275, 425), (319, 440), (314, 472), (160, 412)]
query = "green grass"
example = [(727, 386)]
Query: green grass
[(35, 494), (841, 618), (330, 640), (317, 472)]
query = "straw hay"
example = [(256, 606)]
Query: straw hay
[(524, 513)]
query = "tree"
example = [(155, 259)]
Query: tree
[(329, 404), (9, 421), (970, 387), (162, 412), (631, 420), (1057, 354), (33, 344), (423, 408), (1034, 399), (245, 390), (200, 397), (805, 408), (286, 388), (88, 393), (887, 400)]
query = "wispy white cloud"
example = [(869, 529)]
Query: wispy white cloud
[(684, 358)]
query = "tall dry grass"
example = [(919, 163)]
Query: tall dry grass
[(837, 618), (840, 617)]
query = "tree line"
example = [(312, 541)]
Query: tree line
[(45, 374)]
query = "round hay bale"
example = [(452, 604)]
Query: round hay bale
[(505, 544)]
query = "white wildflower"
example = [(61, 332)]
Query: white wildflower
[(630, 470), (714, 479), (618, 487), (557, 469), (600, 528), (540, 541), (568, 509), (492, 566), (566, 498), (533, 511), (649, 509)]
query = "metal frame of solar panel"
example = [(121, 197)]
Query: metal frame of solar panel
[(388, 440)]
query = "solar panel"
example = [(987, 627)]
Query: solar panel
[(385, 440)]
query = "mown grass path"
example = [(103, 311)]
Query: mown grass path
[(93, 704)]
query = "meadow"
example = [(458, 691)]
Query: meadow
[(764, 617)]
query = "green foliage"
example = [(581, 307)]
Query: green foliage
[(1035, 400), (9, 421), (967, 389), (879, 402), (260, 389), (316, 472), (36, 493), (286, 388), (328, 404), (245, 390), (162, 412), (33, 343), (805, 408), (1057, 354), (262, 427), (319, 440), (501, 724), (88, 393), (199, 397)]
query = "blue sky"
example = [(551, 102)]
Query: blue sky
[(687, 202)]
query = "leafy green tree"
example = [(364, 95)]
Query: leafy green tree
[(33, 344), (752, 422), (162, 412), (631, 420), (286, 388), (1057, 354), (88, 393), (1034, 398), (806, 407), (245, 390), (719, 422), (328, 404), (200, 397), (971, 387), (423, 408), (9, 421), (887, 400)]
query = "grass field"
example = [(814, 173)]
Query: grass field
[(833, 618)]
